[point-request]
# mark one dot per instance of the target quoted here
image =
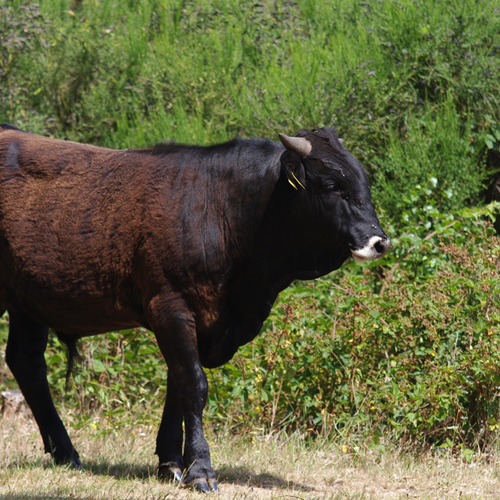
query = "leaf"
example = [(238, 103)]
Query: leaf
[(98, 366)]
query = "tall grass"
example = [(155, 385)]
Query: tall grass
[(129, 74)]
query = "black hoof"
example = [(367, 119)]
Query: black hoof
[(200, 484), (203, 485), (169, 471), (73, 462), (76, 464)]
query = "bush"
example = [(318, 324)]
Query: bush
[(411, 88), (407, 346), (438, 153)]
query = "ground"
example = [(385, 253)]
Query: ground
[(120, 463)]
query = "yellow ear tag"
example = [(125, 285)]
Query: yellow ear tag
[(295, 177), (292, 184)]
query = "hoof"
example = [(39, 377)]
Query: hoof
[(170, 471), (73, 462), (76, 464), (201, 485), (213, 484)]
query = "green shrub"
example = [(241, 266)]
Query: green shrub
[(206, 71), (407, 346), (436, 154)]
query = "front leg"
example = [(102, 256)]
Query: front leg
[(170, 437), (175, 330)]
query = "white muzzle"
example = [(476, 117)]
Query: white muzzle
[(375, 248)]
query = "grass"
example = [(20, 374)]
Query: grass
[(120, 463)]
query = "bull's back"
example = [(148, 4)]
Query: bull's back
[(68, 228)]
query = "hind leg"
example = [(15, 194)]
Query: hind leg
[(25, 357)]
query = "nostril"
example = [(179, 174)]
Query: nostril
[(375, 248), (382, 246)]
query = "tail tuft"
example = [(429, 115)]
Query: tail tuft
[(71, 354)]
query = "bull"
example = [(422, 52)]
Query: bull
[(193, 243)]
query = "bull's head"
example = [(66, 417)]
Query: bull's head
[(336, 194)]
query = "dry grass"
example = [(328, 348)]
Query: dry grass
[(121, 464)]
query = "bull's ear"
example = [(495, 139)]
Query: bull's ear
[(293, 169), (298, 145)]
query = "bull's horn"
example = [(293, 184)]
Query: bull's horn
[(299, 145)]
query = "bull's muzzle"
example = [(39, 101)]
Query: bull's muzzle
[(376, 247)]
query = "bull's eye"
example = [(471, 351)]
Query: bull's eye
[(332, 187)]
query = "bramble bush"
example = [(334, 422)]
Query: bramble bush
[(406, 346)]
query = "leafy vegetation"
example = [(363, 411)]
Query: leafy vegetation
[(406, 346)]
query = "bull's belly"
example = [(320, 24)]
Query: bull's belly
[(82, 317), (73, 305)]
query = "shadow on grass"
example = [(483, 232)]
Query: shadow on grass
[(98, 468), (30, 496), (121, 470), (241, 476)]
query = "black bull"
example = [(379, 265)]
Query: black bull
[(193, 243)]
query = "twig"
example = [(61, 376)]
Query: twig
[(360, 301)]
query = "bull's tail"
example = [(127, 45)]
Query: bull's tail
[(72, 353)]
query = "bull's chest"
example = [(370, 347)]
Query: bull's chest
[(223, 327)]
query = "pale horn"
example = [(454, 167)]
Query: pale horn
[(299, 145)]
